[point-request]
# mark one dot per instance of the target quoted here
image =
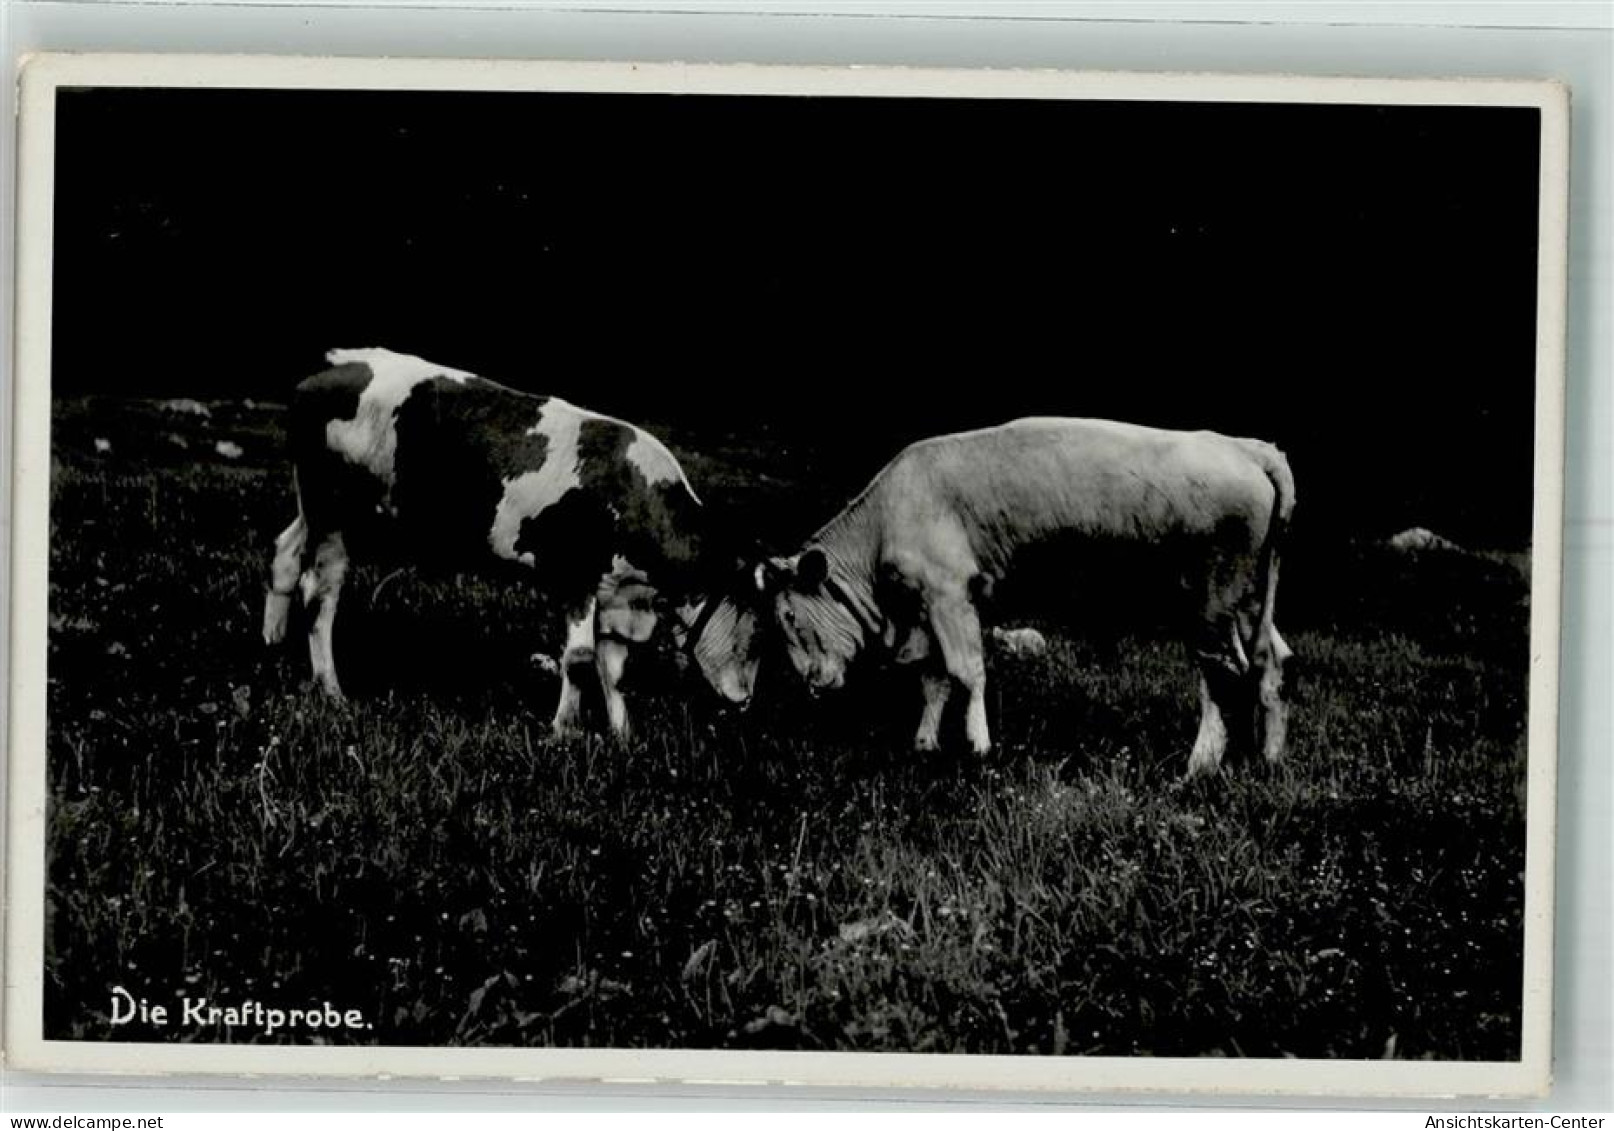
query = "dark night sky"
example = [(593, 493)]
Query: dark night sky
[(1354, 283)]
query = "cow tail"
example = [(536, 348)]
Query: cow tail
[(1267, 651), (1267, 644), (284, 569)]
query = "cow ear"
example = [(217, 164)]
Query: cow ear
[(811, 570)]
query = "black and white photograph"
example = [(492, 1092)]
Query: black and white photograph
[(534, 562)]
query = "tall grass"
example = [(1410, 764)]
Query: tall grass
[(788, 878)]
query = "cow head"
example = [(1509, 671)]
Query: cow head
[(728, 646), (820, 630), (723, 632)]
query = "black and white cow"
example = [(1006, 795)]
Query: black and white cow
[(904, 566), (456, 469)]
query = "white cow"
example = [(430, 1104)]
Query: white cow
[(902, 567), (460, 470)]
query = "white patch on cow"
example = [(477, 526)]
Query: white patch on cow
[(655, 462), (579, 636), (626, 603), (532, 492), (648, 455), (370, 439)]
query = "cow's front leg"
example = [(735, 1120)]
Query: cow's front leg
[(938, 687), (610, 657), (626, 616), (579, 653), (1211, 741), (957, 629)]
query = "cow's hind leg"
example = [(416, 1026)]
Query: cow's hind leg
[(1271, 712), (938, 688), (1223, 694), (957, 629), (283, 573), (579, 653), (1210, 744), (323, 584)]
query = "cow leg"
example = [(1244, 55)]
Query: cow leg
[(938, 686), (626, 616), (283, 574), (1224, 669), (957, 629), (1271, 713), (1211, 742), (610, 658), (323, 583), (579, 653)]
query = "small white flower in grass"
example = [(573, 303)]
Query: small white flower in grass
[(102, 444)]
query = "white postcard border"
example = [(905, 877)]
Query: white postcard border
[(24, 1046)]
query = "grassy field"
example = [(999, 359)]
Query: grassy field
[(786, 878)]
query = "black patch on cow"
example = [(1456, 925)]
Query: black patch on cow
[(571, 543), (457, 443), (655, 525), (331, 489)]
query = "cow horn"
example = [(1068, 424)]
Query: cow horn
[(769, 577)]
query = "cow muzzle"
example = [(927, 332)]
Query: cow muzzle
[(825, 679)]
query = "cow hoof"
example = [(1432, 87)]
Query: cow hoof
[(276, 612), (926, 744)]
